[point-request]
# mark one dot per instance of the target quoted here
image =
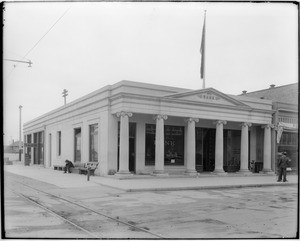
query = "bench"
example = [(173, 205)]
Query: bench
[(77, 166), (58, 167), (92, 166)]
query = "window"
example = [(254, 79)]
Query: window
[(174, 145), (77, 144), (94, 143), (59, 143), (288, 138), (150, 145)]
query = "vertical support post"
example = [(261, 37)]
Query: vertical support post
[(124, 142), (191, 147), (159, 144), (88, 174), (267, 148), (20, 133), (245, 148), (219, 146)]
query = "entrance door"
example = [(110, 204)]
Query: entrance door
[(132, 133), (38, 150), (199, 149), (209, 140)]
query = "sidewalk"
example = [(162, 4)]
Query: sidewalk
[(148, 183)]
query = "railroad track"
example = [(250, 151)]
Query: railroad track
[(36, 196)]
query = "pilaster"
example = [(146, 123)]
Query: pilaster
[(124, 143)]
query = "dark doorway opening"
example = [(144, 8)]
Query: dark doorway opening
[(209, 140)]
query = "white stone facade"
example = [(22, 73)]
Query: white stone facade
[(131, 102)]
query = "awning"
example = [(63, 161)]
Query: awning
[(285, 126)]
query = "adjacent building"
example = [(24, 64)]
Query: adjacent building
[(137, 128), (285, 119)]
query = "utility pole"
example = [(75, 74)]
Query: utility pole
[(65, 93), (20, 133)]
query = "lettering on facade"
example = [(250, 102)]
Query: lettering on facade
[(208, 96), (30, 145)]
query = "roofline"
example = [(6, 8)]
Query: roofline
[(269, 89)]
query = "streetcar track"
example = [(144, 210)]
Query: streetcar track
[(117, 220), (53, 213)]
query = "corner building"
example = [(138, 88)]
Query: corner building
[(138, 128)]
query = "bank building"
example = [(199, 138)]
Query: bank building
[(133, 128)]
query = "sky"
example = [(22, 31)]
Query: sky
[(84, 46)]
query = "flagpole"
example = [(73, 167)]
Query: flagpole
[(203, 84), (202, 50)]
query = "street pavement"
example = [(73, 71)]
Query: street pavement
[(207, 206), (147, 182)]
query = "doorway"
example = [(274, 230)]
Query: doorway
[(209, 141), (205, 149)]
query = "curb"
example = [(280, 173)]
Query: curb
[(205, 187)]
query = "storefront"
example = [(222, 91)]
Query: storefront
[(285, 120), (138, 128), (34, 148), (287, 136)]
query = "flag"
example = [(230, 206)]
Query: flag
[(279, 133), (202, 51)]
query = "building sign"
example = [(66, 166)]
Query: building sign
[(174, 145), (35, 145), (288, 125), (208, 96)]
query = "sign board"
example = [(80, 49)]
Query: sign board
[(30, 144)]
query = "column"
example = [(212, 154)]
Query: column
[(219, 146), (32, 150), (124, 142), (191, 146), (267, 149), (245, 148), (159, 144), (140, 147), (253, 143)]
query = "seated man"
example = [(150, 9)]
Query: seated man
[(68, 166)]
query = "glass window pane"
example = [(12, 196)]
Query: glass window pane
[(150, 145), (77, 145), (94, 143), (174, 145)]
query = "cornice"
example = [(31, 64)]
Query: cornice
[(161, 100)]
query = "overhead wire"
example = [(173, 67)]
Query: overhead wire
[(47, 31), (24, 57)]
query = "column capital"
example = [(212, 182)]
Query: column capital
[(267, 126), (245, 124), (124, 113), (191, 119), (158, 117), (220, 122)]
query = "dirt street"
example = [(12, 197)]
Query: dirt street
[(261, 212)]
